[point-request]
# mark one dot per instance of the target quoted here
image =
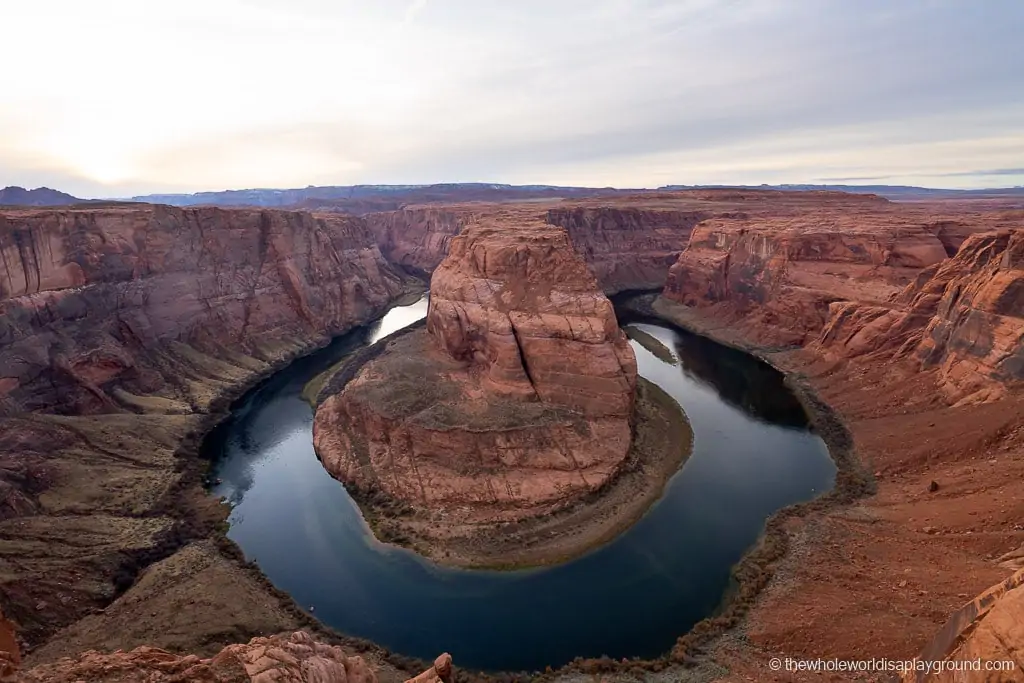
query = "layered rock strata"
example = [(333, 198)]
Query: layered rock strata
[(628, 248), (123, 330), (87, 295), (779, 277), (417, 238), (515, 400), (964, 316)]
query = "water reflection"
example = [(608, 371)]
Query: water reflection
[(754, 387)]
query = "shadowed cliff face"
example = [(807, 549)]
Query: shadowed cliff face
[(90, 297), (417, 238), (121, 331), (627, 248)]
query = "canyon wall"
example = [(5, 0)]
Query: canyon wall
[(417, 238), (777, 277), (964, 316), (87, 296), (123, 332), (628, 248)]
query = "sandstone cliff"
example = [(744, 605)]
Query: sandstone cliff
[(517, 398), (87, 295), (777, 277), (121, 331), (525, 311), (964, 316), (628, 248), (417, 238)]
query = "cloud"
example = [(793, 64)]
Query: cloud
[(988, 172), (619, 92)]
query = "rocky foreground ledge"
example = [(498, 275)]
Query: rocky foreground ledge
[(285, 658), (515, 403)]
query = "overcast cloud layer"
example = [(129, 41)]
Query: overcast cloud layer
[(120, 97)]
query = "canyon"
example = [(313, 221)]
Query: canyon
[(125, 333), (127, 330)]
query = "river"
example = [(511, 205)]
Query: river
[(753, 454)]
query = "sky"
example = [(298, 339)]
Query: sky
[(113, 98)]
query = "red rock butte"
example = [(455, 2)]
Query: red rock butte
[(516, 400), (522, 308)]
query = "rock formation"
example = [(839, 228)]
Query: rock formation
[(964, 316), (87, 294), (628, 248), (985, 632), (779, 276), (417, 238), (10, 653), (516, 399), (524, 310), (286, 658), (122, 329)]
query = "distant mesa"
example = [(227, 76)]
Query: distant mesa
[(362, 199), (41, 196)]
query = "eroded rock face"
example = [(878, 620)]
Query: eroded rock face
[(986, 631), (86, 295), (628, 248), (523, 309), (964, 316), (121, 330), (286, 658), (517, 398), (780, 275), (417, 237), (10, 653)]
